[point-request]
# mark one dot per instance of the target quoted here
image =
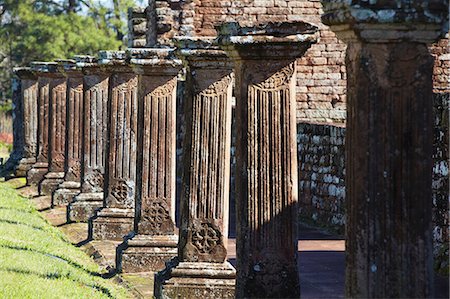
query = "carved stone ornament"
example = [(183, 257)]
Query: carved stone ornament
[(215, 89), (75, 169), (155, 213), (119, 191), (95, 179), (164, 90), (278, 80), (205, 237)]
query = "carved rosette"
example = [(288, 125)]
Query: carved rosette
[(93, 181), (75, 169), (155, 217), (205, 243), (271, 273), (57, 162), (121, 194)]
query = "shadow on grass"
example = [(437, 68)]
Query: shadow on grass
[(54, 275), (72, 263), (22, 223)]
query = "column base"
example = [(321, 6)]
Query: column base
[(50, 183), (84, 206), (112, 224), (24, 165), (36, 174), (146, 253), (65, 193), (196, 280)]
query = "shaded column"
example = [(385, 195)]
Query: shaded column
[(115, 219), (28, 98), (56, 132), (156, 240), (45, 71), (74, 119), (94, 139), (201, 269), (388, 144), (266, 155)]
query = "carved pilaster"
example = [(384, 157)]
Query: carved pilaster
[(95, 115), (389, 143), (266, 155), (115, 219), (156, 240), (56, 132), (202, 267), (72, 177), (44, 72), (28, 102)]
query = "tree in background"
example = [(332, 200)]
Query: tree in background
[(45, 30)]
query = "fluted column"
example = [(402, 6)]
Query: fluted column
[(28, 98), (47, 78), (388, 144), (94, 139), (74, 120), (266, 155), (115, 219), (56, 132), (201, 269), (156, 240)]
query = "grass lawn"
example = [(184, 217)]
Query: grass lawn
[(37, 261)]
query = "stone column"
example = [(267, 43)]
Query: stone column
[(115, 219), (74, 119), (56, 132), (201, 269), (28, 101), (389, 144), (156, 239), (94, 139), (266, 154), (47, 79)]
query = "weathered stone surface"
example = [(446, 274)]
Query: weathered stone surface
[(26, 114), (72, 177), (389, 144), (56, 132), (212, 280), (266, 155), (45, 73), (115, 220), (205, 195), (156, 239), (94, 139)]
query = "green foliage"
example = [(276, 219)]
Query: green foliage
[(6, 107), (37, 261), (44, 30)]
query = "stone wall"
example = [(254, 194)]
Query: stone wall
[(321, 156), (321, 72)]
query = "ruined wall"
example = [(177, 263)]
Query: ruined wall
[(321, 157), (321, 72)]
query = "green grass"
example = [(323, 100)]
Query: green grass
[(37, 260)]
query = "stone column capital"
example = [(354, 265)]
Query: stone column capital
[(387, 21), (47, 69), (154, 61), (202, 52), (274, 41), (24, 73)]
